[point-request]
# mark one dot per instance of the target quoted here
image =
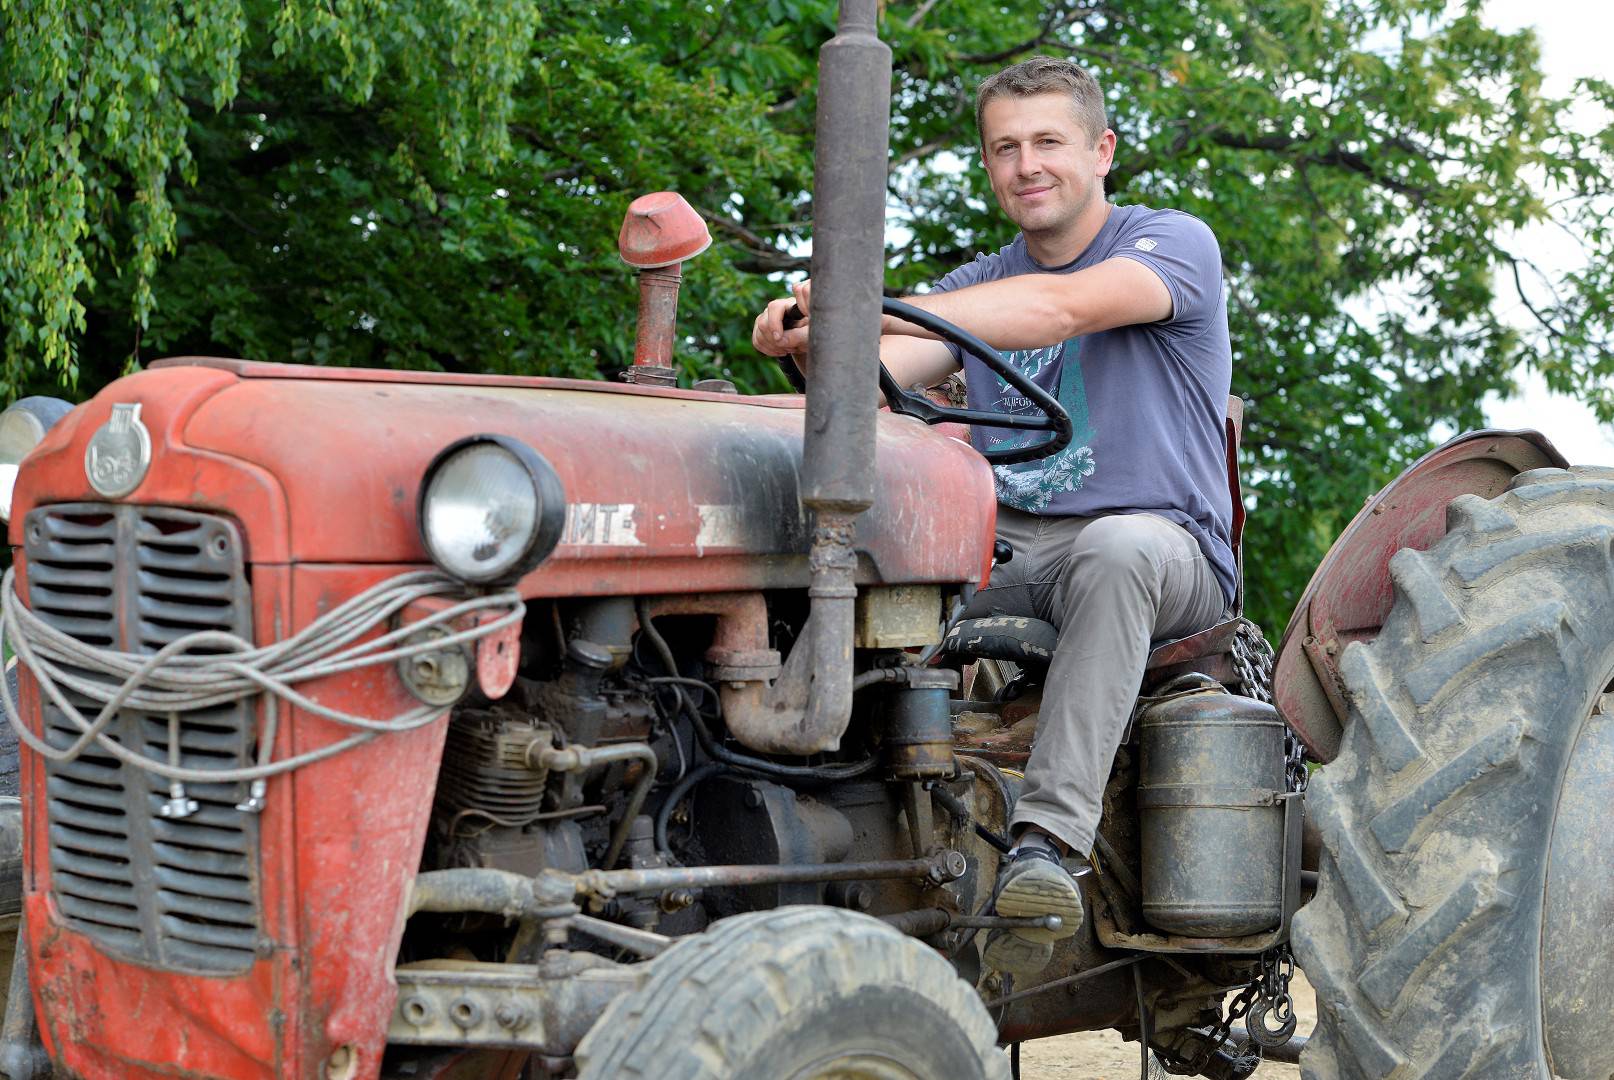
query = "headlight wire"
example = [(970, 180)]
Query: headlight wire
[(175, 680)]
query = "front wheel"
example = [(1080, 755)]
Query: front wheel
[(1460, 926), (798, 993)]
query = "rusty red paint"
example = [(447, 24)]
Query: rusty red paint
[(1350, 594), (661, 229), (497, 657)]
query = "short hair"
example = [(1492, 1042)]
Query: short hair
[(1046, 75)]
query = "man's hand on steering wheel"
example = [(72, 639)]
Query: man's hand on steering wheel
[(773, 334), (781, 331)]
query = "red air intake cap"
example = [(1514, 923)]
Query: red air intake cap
[(661, 229)]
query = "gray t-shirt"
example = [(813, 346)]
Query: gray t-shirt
[(1148, 402)]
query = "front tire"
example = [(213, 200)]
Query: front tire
[(797, 993), (1459, 925)]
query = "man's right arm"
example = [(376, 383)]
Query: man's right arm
[(912, 361)]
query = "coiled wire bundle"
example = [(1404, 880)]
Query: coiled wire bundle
[(177, 679)]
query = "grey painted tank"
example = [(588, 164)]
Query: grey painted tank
[(1211, 815)]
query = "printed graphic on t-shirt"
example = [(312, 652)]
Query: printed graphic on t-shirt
[(1032, 485)]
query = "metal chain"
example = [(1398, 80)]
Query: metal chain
[(1252, 661), (1273, 1000)]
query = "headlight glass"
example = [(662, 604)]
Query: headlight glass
[(490, 509)]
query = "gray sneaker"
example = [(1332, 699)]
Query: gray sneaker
[(1008, 952), (1035, 882)]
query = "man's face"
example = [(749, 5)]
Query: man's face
[(1045, 168)]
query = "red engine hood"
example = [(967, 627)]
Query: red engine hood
[(1350, 594), (667, 490)]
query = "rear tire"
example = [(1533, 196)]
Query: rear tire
[(1453, 884), (793, 994)]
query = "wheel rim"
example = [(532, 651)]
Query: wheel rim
[(856, 1065), (1577, 968)]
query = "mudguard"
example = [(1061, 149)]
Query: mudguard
[(1350, 594)]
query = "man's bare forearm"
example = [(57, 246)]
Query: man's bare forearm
[(1033, 311)]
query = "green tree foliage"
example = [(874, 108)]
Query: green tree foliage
[(438, 184)]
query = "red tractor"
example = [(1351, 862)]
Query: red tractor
[(414, 725)]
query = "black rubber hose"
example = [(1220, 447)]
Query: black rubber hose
[(675, 796), (960, 814), (718, 752)]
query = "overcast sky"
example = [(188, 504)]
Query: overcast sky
[(1575, 37)]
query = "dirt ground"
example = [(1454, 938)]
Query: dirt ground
[(1102, 1055)]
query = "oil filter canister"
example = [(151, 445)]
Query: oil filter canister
[(1211, 815), (918, 726)]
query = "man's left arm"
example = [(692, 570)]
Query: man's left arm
[(1033, 311)]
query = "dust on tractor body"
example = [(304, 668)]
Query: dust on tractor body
[(408, 725)]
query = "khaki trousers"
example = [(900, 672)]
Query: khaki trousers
[(1111, 585)]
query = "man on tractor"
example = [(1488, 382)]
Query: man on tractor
[(1123, 537)]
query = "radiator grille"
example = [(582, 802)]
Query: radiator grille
[(177, 893)]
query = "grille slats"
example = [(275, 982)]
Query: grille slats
[(170, 892), (84, 794), (71, 814), (91, 888), (201, 932), (83, 841), (91, 866), (210, 589), (204, 907), (205, 618), (94, 911), (196, 861)]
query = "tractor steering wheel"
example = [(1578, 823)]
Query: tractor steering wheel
[(1054, 418)]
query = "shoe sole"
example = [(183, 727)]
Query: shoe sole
[(1012, 954), (1036, 892)]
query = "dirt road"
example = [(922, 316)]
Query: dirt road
[(1102, 1055)]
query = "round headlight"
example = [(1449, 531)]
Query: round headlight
[(22, 427), (491, 509), (24, 424)]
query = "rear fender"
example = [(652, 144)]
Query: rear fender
[(1350, 594)]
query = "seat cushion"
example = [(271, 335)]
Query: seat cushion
[(1027, 642)]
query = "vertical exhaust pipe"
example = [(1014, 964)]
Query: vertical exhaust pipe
[(849, 193), (806, 711)]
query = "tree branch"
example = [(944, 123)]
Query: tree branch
[(917, 17), (1051, 25), (1333, 155), (763, 256), (1518, 285)]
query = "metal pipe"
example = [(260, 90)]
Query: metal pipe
[(849, 192), (926, 921), (492, 892), (806, 711), (1068, 980), (583, 758), (641, 942), (658, 315), (943, 867), (1288, 1053)]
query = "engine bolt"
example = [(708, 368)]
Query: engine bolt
[(753, 798), (676, 900), (513, 1015)]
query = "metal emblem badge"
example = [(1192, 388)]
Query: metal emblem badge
[(119, 453)]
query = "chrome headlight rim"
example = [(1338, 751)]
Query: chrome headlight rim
[(549, 519)]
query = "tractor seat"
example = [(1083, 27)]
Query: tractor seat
[(1030, 644), (1027, 642)]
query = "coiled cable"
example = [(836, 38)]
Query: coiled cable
[(176, 679)]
